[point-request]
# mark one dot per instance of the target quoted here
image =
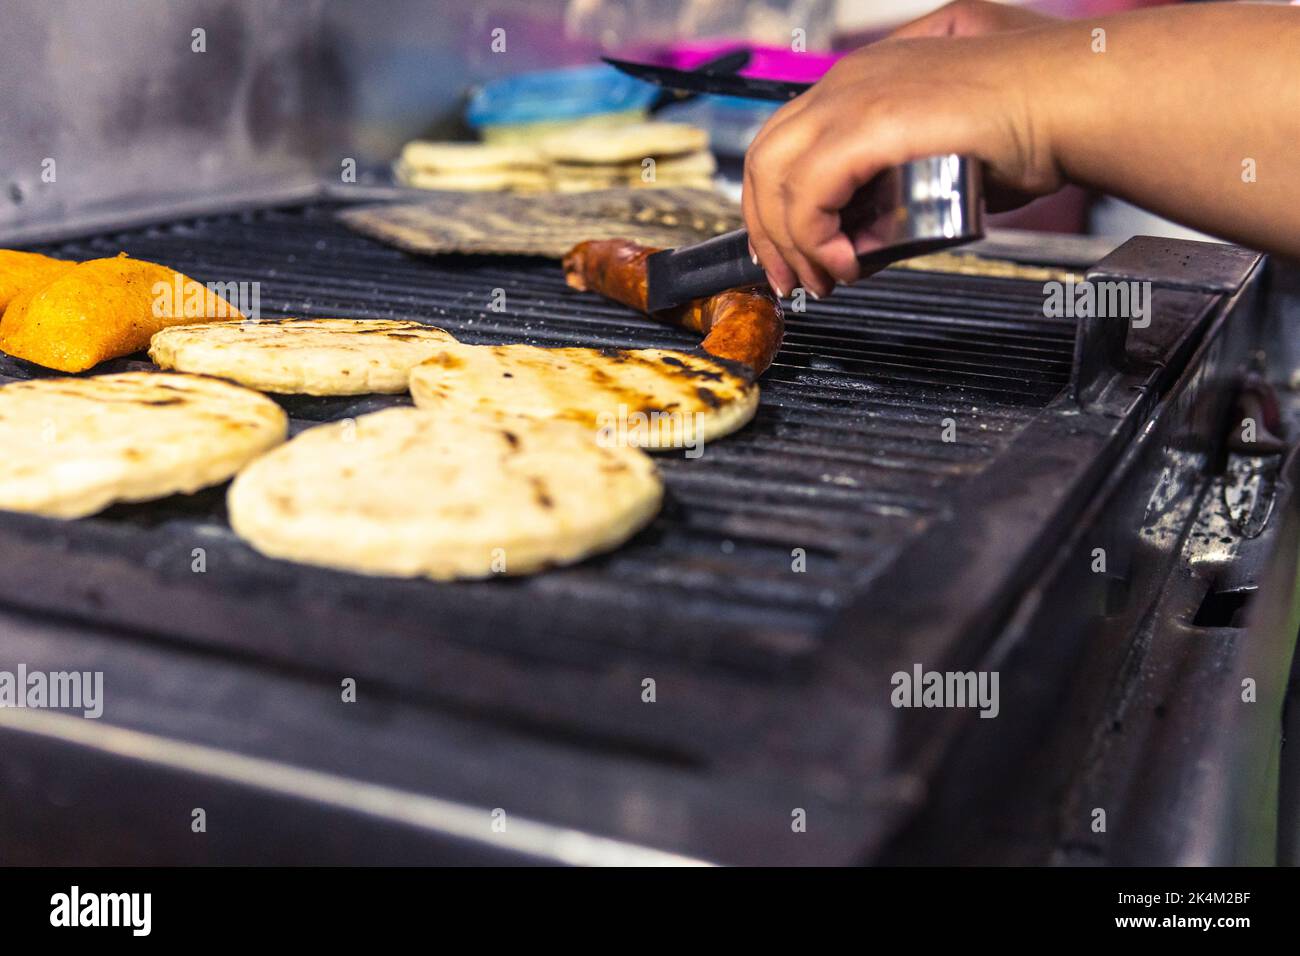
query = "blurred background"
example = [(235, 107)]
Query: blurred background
[(121, 109)]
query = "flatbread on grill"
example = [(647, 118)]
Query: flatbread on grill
[(73, 446), (965, 263), (552, 224), (302, 356), (546, 224), (409, 493), (647, 398)]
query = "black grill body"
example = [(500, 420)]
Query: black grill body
[(914, 485)]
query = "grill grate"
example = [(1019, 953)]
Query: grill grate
[(845, 458)]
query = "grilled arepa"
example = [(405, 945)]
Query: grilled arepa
[(101, 309), (304, 356), (647, 398), (409, 493), (20, 271), (73, 446)]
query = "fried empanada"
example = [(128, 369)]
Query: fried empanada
[(101, 309)]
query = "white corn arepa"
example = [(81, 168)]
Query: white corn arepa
[(623, 143), (473, 180), (647, 398), (692, 164), (465, 157), (689, 166), (302, 356), (73, 446), (573, 185), (408, 493)]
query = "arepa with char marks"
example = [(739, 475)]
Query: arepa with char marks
[(302, 356), (546, 224), (651, 398), (409, 493)]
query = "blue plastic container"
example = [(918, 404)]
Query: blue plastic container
[(509, 107)]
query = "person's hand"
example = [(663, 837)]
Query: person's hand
[(965, 79), (972, 18)]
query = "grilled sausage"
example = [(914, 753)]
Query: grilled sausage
[(741, 325)]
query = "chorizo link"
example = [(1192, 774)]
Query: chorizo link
[(741, 325)]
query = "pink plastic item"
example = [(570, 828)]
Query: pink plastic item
[(773, 63)]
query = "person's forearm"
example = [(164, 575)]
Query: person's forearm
[(1193, 112), (1220, 151)]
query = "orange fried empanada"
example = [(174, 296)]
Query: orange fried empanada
[(101, 309), (20, 271)]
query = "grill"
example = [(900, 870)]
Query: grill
[(1097, 533), (845, 460), (799, 563)]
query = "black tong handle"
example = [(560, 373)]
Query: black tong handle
[(688, 81)]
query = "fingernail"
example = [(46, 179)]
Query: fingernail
[(753, 258), (813, 294)]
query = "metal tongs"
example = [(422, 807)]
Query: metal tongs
[(916, 207)]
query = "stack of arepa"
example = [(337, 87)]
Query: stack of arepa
[(471, 167), (637, 155), (582, 159)]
